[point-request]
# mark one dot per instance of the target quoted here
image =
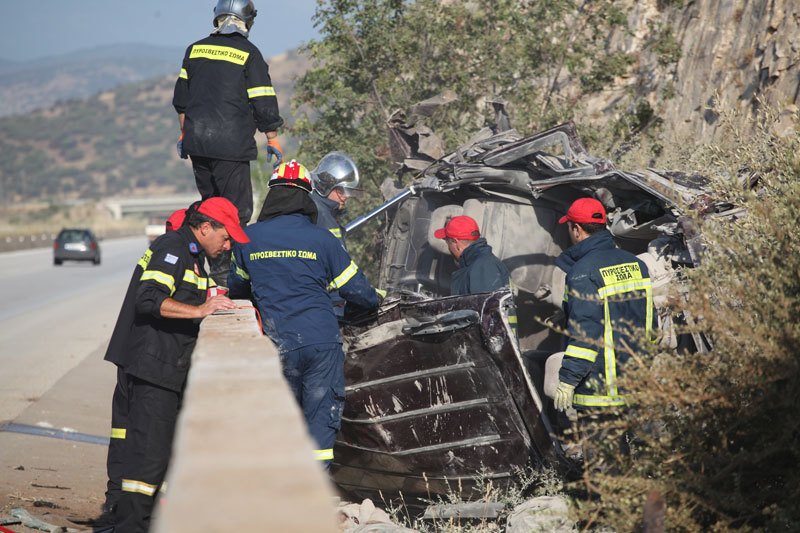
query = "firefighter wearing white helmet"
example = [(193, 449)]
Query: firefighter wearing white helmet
[(335, 181)]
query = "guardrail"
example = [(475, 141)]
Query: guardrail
[(10, 243), (242, 457)]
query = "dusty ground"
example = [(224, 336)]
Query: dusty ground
[(59, 480)]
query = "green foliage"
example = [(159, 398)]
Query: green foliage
[(378, 56), (605, 70), (665, 45), (720, 432), (102, 146)]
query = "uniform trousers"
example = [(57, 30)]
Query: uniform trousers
[(231, 180), (316, 376), (144, 415)]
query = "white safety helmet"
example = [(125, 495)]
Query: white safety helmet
[(242, 9), (335, 169)]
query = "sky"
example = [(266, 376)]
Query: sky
[(41, 28)]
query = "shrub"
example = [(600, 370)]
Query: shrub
[(720, 434)]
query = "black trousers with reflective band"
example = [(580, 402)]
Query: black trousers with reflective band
[(231, 180), (119, 420), (149, 414)]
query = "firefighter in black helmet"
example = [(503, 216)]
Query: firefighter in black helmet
[(222, 95)]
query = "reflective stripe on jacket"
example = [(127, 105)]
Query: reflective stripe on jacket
[(609, 304), (225, 90), (144, 344), (290, 266), (328, 214)]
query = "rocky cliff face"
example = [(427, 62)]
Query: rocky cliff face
[(695, 58)]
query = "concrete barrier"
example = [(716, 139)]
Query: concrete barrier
[(242, 458)]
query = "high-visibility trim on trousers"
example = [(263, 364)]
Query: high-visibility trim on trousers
[(118, 433), (132, 485), (323, 455)]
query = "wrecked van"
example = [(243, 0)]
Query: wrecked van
[(445, 393)]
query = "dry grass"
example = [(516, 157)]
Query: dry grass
[(718, 432)]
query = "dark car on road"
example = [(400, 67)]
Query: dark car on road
[(76, 244)]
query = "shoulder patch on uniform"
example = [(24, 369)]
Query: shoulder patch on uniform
[(193, 247), (171, 259)]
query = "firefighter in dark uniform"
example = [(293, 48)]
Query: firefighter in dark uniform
[(608, 303), (222, 95), (289, 268), (334, 182), (478, 268), (151, 345)]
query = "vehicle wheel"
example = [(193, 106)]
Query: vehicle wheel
[(57, 262), (96, 260)]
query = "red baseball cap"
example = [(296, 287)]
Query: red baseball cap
[(585, 211), (462, 227), (176, 219), (224, 212)]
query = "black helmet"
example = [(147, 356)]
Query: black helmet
[(243, 9)]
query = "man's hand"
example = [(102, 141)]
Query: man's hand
[(214, 304), (179, 146), (564, 394), (274, 149), (381, 295)]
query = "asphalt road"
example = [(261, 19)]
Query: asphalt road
[(52, 318), (55, 323)]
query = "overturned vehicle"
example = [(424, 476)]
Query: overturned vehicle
[(445, 393)]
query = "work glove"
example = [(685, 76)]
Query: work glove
[(274, 149), (179, 146), (381, 295), (564, 394)]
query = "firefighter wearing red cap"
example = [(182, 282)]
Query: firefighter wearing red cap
[(152, 345), (290, 267), (478, 268), (608, 303)]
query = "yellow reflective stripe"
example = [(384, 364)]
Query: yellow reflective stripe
[(610, 355), (323, 455), (581, 353), (337, 232), (132, 485), (219, 53), (344, 277), (588, 400), (648, 327), (145, 260), (255, 92), (190, 277), (160, 277), (118, 433), (512, 319), (183, 75), (628, 286), (241, 273), (238, 270)]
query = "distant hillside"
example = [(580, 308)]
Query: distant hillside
[(38, 84), (116, 142)]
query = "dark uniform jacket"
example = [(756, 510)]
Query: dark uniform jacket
[(290, 266), (144, 344), (328, 215), (609, 304), (225, 91), (478, 271)]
